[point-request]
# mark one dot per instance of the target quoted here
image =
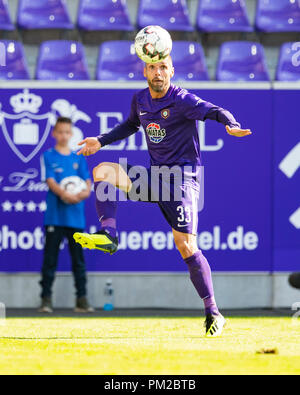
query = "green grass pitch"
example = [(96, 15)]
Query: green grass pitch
[(147, 346)]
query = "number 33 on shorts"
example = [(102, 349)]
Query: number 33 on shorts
[(185, 215)]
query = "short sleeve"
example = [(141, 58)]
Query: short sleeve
[(83, 169), (46, 168)]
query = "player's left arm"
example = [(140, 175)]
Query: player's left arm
[(225, 117), (237, 132), (196, 108)]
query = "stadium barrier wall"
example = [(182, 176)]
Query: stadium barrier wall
[(249, 228)]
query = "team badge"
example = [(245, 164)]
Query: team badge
[(155, 133), (165, 113)]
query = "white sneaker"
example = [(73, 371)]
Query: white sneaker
[(214, 325)]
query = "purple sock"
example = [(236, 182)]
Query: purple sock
[(200, 274), (106, 210)]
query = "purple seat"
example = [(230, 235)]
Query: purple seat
[(288, 68), (43, 14), (189, 61), (242, 61), (118, 61), (5, 21), (62, 60), (278, 16), (169, 14), (13, 64), (223, 16), (103, 15)]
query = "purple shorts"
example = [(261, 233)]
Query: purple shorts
[(176, 193)]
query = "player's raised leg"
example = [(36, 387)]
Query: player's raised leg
[(200, 274), (107, 177)]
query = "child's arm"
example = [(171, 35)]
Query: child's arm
[(85, 194), (61, 193)]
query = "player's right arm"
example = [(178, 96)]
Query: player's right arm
[(120, 132), (91, 146)]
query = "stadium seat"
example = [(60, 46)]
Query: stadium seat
[(223, 16), (62, 60), (5, 21), (189, 61), (103, 15), (15, 67), (278, 16), (170, 14), (118, 61), (288, 68), (43, 14), (242, 61)]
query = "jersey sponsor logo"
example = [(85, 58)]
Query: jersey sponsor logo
[(165, 113), (155, 133), (143, 113)]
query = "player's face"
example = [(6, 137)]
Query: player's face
[(62, 133), (159, 75)]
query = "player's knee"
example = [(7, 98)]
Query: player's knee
[(103, 171), (186, 247), (96, 171)]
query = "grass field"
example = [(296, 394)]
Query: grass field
[(147, 346)]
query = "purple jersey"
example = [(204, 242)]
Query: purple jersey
[(170, 125)]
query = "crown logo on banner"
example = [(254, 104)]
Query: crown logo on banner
[(26, 130), (26, 102)]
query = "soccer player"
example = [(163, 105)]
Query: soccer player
[(64, 215), (169, 117)]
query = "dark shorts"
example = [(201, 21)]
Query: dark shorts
[(176, 193)]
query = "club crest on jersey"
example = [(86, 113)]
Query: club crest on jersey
[(155, 133), (165, 113)]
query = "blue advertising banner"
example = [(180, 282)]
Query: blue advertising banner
[(234, 227), (286, 181)]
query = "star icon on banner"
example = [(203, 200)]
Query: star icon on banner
[(19, 206), (7, 206), (42, 206), (31, 206)]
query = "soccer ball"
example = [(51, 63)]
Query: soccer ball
[(153, 44), (73, 185)]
